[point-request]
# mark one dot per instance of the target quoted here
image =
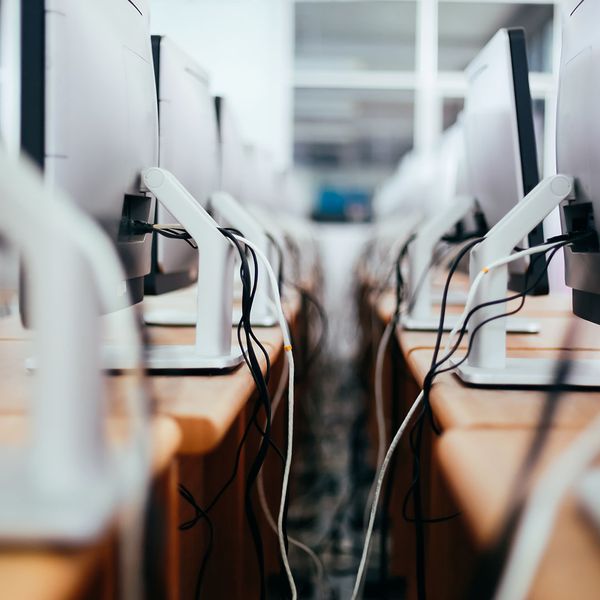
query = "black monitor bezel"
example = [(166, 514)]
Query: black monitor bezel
[(528, 160)]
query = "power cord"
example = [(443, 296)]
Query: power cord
[(244, 333), (283, 544), (417, 431), (251, 359), (418, 427)]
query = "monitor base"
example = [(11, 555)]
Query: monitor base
[(530, 372), (28, 515), (169, 357), (170, 317), (172, 358), (513, 324)]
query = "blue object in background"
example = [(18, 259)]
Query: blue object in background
[(338, 204)]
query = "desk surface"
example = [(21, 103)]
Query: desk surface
[(570, 566), (50, 573), (487, 432), (46, 575), (456, 405), (204, 406)]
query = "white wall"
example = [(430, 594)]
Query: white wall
[(247, 48)]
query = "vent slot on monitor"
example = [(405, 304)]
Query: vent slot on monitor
[(579, 218), (135, 208)]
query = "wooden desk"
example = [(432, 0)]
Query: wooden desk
[(458, 406), (212, 412), (478, 468), (205, 406), (54, 573), (471, 466), (40, 573)]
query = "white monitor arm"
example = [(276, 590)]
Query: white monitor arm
[(235, 215), (421, 316), (274, 231), (420, 255), (487, 363), (213, 349), (61, 487), (389, 238)]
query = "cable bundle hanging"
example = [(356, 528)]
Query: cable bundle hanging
[(422, 401), (246, 334), (416, 435), (248, 343)]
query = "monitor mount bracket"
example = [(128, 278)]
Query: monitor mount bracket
[(421, 316), (235, 215), (213, 350), (263, 309), (487, 364)]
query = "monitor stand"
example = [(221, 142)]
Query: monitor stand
[(61, 486), (233, 214), (487, 364), (432, 323), (213, 350), (421, 316), (173, 317)]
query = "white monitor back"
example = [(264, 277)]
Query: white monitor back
[(578, 148), (232, 155), (188, 141), (491, 130), (88, 112)]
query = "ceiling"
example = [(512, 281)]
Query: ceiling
[(346, 128)]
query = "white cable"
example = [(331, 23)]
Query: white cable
[(478, 279), (380, 477), (287, 346), (541, 510), (319, 569), (379, 409)]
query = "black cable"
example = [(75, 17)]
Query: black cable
[(263, 402), (261, 384), (417, 430), (187, 495), (436, 371), (249, 287), (320, 345), (176, 234), (280, 258)]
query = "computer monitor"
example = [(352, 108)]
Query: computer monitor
[(232, 154), (188, 148), (500, 140), (578, 149), (265, 193), (89, 115)]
